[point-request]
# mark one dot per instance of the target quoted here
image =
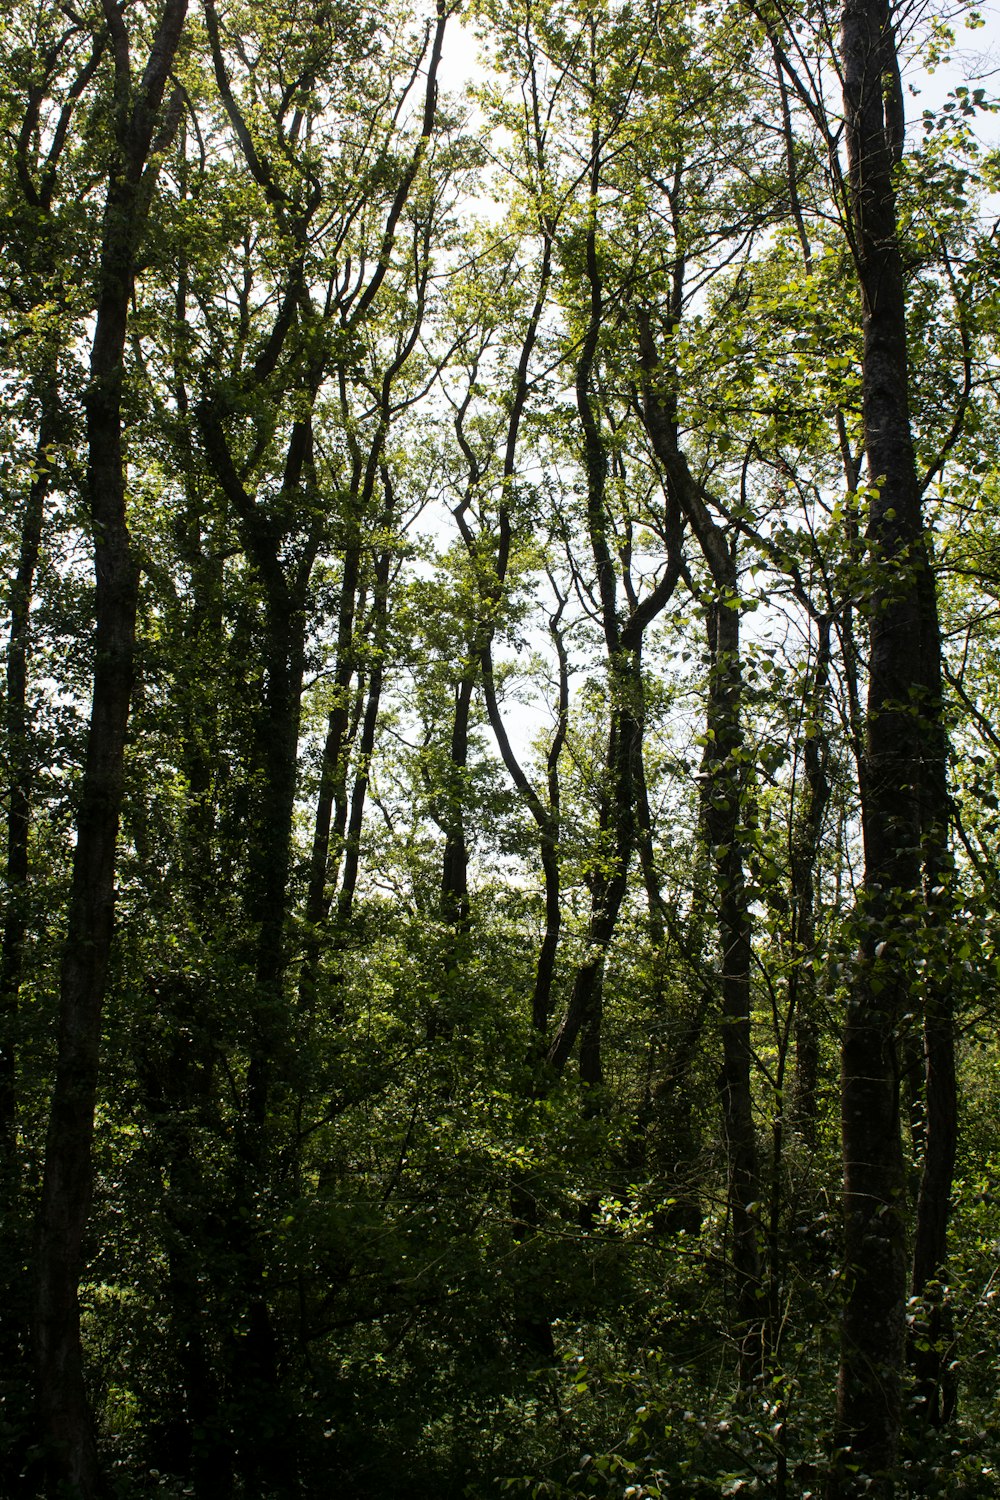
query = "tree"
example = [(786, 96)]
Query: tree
[(903, 791), (327, 315), (521, 751), (138, 136)]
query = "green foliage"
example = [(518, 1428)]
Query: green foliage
[(387, 424)]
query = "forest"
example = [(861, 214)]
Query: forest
[(499, 749)]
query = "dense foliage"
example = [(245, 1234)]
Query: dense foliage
[(500, 752)]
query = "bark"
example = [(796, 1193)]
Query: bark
[(930, 1350), (177, 1083), (31, 240), (933, 1368), (722, 796), (455, 860), (15, 1235), (366, 745), (21, 774), (904, 741), (616, 813), (68, 1178), (332, 769), (546, 816), (806, 832), (722, 800), (270, 855), (663, 1138), (584, 1010), (264, 1441)]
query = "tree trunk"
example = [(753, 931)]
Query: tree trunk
[(584, 1011), (270, 854), (806, 833), (722, 803), (263, 1435), (67, 1185), (936, 1378), (721, 817), (455, 860), (21, 777), (454, 889), (15, 1235), (904, 741), (332, 772), (366, 744)]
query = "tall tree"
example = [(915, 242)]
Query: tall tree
[(139, 132), (64, 65), (46, 77), (339, 302), (903, 794)]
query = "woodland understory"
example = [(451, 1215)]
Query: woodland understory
[(500, 750)]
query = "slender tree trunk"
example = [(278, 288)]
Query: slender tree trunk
[(806, 832), (616, 822), (180, 1094), (935, 1372), (68, 1164), (15, 1232), (721, 816), (930, 1352), (21, 775), (534, 1325), (453, 899), (265, 1443), (263, 1448), (67, 1186), (663, 1119), (366, 744), (270, 854), (455, 860), (541, 999), (904, 740), (584, 1011), (332, 770), (723, 798)]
